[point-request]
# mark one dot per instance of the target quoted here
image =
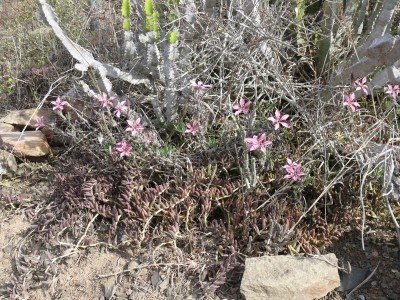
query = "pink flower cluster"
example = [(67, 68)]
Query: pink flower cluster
[(350, 100), (192, 128), (393, 91), (254, 143), (134, 126), (293, 170), (199, 86), (279, 120), (58, 104), (39, 123), (120, 108), (242, 107), (361, 85), (261, 142), (123, 148)]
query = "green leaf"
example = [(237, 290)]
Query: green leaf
[(107, 147), (159, 125), (180, 127), (212, 141), (166, 150)]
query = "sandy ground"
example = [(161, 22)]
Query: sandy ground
[(94, 273)]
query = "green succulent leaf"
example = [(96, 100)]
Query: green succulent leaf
[(127, 24), (126, 8), (148, 8), (172, 37), (180, 127)]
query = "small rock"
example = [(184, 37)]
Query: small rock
[(29, 144), (164, 285), (109, 289), (155, 279), (351, 279), (132, 265), (8, 165), (8, 249), (288, 277)]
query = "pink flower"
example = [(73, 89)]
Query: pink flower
[(134, 126), (120, 108), (290, 165), (149, 137), (192, 128), (293, 170), (39, 123), (58, 104), (361, 85), (393, 91), (253, 143), (123, 148), (199, 86), (242, 107), (279, 120), (349, 101), (105, 101), (264, 144)]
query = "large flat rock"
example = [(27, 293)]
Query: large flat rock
[(30, 144), (28, 117), (288, 277)]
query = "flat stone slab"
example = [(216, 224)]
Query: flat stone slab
[(288, 277), (27, 144), (22, 117)]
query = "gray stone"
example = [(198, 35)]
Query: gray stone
[(8, 165), (288, 277)]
